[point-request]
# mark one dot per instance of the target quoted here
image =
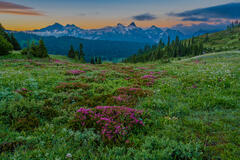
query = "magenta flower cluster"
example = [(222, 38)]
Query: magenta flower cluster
[(75, 72), (142, 68), (23, 91), (58, 61), (113, 122), (149, 79), (122, 98)]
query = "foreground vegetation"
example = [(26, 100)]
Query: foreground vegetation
[(186, 109)]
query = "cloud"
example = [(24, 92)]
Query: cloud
[(211, 14), (32, 13), (195, 19), (16, 9), (193, 28), (144, 17), (88, 14)]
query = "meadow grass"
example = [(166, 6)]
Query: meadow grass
[(192, 108)]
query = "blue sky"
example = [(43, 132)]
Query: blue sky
[(98, 13)]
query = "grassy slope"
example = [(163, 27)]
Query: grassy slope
[(224, 40), (195, 109)]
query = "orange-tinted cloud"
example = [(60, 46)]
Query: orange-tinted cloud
[(12, 8), (21, 12)]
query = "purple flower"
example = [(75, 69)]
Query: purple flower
[(75, 72), (24, 89), (148, 77), (194, 86), (112, 122)]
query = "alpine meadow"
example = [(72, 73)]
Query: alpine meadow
[(164, 84)]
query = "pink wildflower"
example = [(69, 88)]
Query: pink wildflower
[(75, 72), (148, 77)]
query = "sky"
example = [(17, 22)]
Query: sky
[(91, 14)]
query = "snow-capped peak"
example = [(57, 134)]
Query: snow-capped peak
[(132, 24)]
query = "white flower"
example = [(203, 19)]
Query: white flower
[(69, 155)]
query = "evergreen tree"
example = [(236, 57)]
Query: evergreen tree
[(161, 44), (71, 53), (39, 50), (33, 50), (10, 38), (4, 34), (92, 61), (14, 42), (42, 50), (176, 48), (5, 46), (99, 60), (76, 55), (81, 53), (201, 48), (206, 38), (168, 45), (95, 60), (28, 53)]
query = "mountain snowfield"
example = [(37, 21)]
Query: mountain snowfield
[(119, 32)]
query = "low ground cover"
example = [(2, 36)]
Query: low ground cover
[(186, 109)]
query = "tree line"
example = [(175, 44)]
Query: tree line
[(80, 55), (36, 50), (176, 48), (7, 42), (233, 25), (77, 54), (96, 60)]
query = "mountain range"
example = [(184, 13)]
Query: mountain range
[(131, 33)]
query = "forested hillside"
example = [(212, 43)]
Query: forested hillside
[(220, 41), (108, 50)]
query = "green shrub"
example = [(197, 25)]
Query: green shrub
[(39, 51), (26, 123), (5, 46), (164, 148), (10, 146)]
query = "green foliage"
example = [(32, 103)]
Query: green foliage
[(175, 49), (42, 50), (11, 39), (34, 50), (221, 41), (14, 42), (81, 54), (92, 60), (71, 53), (5, 46), (3, 33), (96, 60), (164, 148), (77, 55)]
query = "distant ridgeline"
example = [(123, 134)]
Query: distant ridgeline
[(220, 41), (108, 50)]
